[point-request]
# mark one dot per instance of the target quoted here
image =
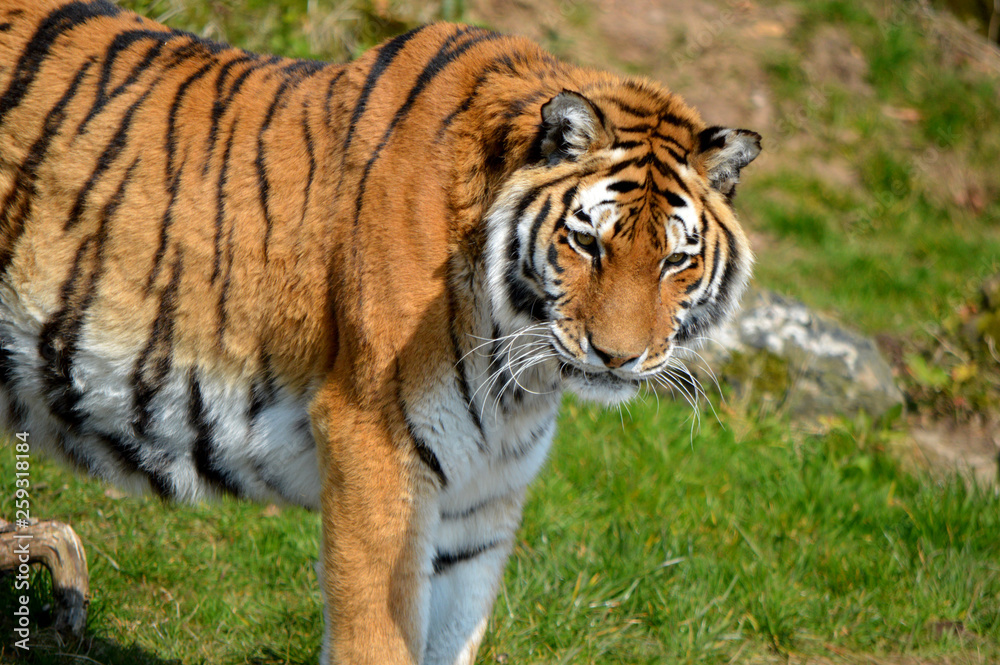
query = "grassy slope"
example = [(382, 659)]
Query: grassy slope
[(897, 251), (641, 544)]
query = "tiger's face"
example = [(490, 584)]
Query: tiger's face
[(618, 248)]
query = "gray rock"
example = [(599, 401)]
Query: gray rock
[(808, 362)]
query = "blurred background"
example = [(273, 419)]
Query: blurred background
[(833, 501)]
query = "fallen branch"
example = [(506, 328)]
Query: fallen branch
[(57, 547)]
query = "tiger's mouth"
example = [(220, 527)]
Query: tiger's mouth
[(599, 385), (597, 376)]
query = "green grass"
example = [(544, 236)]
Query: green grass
[(641, 544), (197, 583), (895, 251), (692, 551)]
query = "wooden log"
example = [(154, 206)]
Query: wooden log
[(57, 547)]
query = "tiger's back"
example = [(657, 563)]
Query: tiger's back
[(361, 288)]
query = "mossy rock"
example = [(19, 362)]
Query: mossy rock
[(809, 364)]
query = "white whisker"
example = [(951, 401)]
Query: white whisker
[(675, 363)]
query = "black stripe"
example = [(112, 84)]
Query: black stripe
[(517, 451), (642, 128), (631, 145), (311, 153), (153, 364), (445, 560), (165, 223), (624, 186), (668, 172), (670, 139), (471, 510), (17, 204), (202, 450), (111, 152), (528, 198), (224, 291), (220, 106), (693, 286), (674, 200), (635, 162), (673, 119), (459, 369), (725, 284), (37, 50), (128, 453), (424, 452), (536, 225), (496, 66), (715, 266), (120, 43), (385, 57), (7, 365), (328, 101), (428, 457), (60, 336), (621, 225), (220, 201), (679, 158), (517, 107), (53, 340), (553, 258), (522, 298), (447, 53), (175, 106), (173, 173), (632, 110), (264, 186), (263, 390)]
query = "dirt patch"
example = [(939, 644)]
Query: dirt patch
[(971, 449), (701, 50), (832, 57), (830, 654)]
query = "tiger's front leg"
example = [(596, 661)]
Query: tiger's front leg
[(468, 569), (378, 519)]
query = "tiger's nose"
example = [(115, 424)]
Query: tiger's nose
[(612, 359)]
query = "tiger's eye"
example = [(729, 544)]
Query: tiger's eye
[(676, 258), (583, 239)]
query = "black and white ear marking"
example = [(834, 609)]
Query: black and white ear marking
[(571, 126), (724, 152)]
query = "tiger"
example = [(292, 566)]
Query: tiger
[(361, 288)]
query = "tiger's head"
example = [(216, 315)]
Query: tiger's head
[(617, 241)]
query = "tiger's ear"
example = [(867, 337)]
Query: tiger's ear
[(571, 126), (723, 152)]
